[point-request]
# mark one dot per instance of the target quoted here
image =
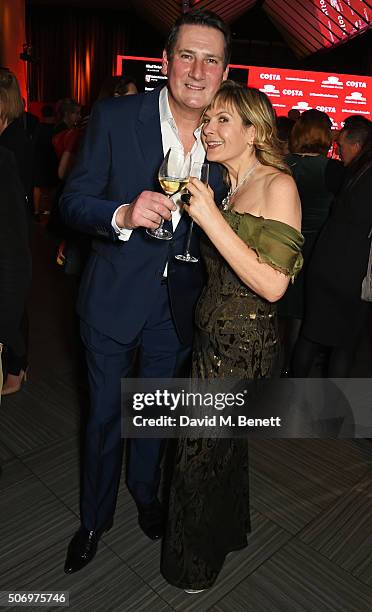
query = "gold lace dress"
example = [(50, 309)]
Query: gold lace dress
[(236, 337)]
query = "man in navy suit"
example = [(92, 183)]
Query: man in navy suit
[(135, 297)]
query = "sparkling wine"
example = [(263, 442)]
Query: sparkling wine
[(173, 176), (171, 185)]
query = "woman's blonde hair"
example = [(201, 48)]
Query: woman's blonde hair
[(11, 104), (254, 108)]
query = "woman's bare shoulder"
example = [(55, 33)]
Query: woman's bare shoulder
[(281, 199), (276, 179)]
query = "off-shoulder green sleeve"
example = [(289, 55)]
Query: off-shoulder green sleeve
[(276, 243)]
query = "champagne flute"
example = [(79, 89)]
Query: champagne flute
[(200, 171), (173, 177)]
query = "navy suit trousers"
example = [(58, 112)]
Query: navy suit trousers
[(160, 355)]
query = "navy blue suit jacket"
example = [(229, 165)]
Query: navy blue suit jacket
[(121, 155)]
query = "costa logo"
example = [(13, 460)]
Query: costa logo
[(332, 81), (323, 6), (327, 109), (341, 22), (356, 84), (293, 92), (270, 77), (302, 106), (357, 97), (270, 90)]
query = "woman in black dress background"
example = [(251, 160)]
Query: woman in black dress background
[(14, 137), (318, 180), (335, 315), (15, 257)]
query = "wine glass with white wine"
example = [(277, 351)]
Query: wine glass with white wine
[(173, 177), (200, 171)]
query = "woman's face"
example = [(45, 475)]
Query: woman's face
[(225, 138), (73, 117)]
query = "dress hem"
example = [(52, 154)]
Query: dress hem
[(196, 587)]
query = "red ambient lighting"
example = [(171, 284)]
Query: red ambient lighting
[(341, 18)]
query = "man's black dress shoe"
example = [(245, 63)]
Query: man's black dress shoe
[(151, 520), (82, 548)]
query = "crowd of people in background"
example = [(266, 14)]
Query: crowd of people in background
[(322, 314)]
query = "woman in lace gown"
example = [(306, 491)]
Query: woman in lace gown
[(251, 251)]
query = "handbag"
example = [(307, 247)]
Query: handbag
[(366, 294)]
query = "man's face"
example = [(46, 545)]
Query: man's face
[(348, 150), (196, 68)]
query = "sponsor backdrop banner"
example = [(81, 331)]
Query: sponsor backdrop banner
[(338, 95)]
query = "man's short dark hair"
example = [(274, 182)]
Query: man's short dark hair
[(202, 18), (358, 132), (352, 120)]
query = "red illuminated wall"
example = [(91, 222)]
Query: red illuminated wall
[(12, 38)]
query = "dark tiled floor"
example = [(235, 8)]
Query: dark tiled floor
[(311, 543)]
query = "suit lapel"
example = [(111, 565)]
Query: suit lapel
[(149, 134), (183, 224), (216, 182)]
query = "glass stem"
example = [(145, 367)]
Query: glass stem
[(162, 219), (187, 248)]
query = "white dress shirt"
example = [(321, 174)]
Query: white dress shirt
[(170, 138)]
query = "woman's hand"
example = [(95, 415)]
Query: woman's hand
[(202, 207)]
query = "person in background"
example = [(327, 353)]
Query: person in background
[(68, 114), (293, 114), (67, 137), (46, 163), (284, 127), (13, 136), (318, 180), (30, 121), (15, 257), (67, 149), (352, 120), (116, 86), (67, 145), (335, 315), (352, 138), (67, 134)]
